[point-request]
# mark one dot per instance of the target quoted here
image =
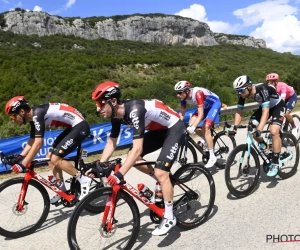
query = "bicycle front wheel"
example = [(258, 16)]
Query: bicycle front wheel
[(86, 232), (242, 171), (289, 156), (194, 199), (223, 145), (14, 223)]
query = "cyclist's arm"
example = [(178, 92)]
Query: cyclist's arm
[(37, 143), (133, 155), (238, 117), (27, 147), (109, 149), (283, 90), (263, 119), (182, 113), (199, 117)]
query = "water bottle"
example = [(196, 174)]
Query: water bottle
[(263, 148), (202, 143), (158, 192), (145, 191)]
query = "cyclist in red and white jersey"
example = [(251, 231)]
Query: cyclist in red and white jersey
[(209, 106), (288, 95), (52, 115), (165, 130)]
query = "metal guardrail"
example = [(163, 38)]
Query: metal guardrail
[(249, 106)]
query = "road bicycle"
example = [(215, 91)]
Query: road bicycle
[(25, 202), (223, 141), (118, 226), (242, 170)]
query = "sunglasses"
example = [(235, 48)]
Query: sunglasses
[(101, 103), (13, 116), (179, 92), (240, 90), (271, 81)]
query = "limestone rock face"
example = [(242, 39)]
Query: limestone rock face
[(161, 29)]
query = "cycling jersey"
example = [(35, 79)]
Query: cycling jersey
[(265, 95), (284, 90), (144, 115), (53, 115), (201, 97)]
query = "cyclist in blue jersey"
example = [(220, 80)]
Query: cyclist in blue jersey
[(207, 113)]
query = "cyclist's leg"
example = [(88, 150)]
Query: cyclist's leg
[(290, 104), (166, 158), (153, 140), (68, 144), (211, 117), (277, 113)]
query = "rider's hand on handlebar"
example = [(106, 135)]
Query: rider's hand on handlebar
[(115, 178), (97, 169), (18, 168), (191, 129), (257, 133), (13, 159)]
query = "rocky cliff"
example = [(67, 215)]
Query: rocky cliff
[(155, 28)]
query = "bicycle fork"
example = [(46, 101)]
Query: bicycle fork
[(21, 199), (109, 211)]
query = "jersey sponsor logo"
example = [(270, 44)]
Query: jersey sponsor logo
[(67, 144), (164, 115), (37, 125), (69, 116), (134, 119), (173, 151)]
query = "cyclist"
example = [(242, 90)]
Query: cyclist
[(288, 95), (209, 106), (271, 104), (165, 130), (54, 115)]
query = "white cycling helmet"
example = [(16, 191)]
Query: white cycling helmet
[(182, 86), (242, 82)]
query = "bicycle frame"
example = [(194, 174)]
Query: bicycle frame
[(108, 215), (31, 174), (250, 143)]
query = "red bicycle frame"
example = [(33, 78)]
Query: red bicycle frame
[(109, 211), (31, 174)]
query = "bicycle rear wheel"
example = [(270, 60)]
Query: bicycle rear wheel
[(86, 232), (194, 199), (223, 145), (289, 156), (242, 171), (14, 223)]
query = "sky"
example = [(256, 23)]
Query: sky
[(276, 21)]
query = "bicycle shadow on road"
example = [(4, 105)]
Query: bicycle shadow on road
[(166, 240), (263, 178), (55, 217)]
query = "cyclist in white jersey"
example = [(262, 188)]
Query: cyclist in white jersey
[(52, 115), (209, 106), (165, 131)]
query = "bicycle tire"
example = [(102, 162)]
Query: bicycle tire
[(231, 158), (290, 140), (223, 149), (80, 211), (296, 119), (20, 232), (95, 205), (199, 171), (183, 160)]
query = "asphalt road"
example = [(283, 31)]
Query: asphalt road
[(248, 223)]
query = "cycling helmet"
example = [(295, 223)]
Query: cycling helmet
[(272, 77), (182, 86), (107, 91), (242, 82), (15, 104)]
